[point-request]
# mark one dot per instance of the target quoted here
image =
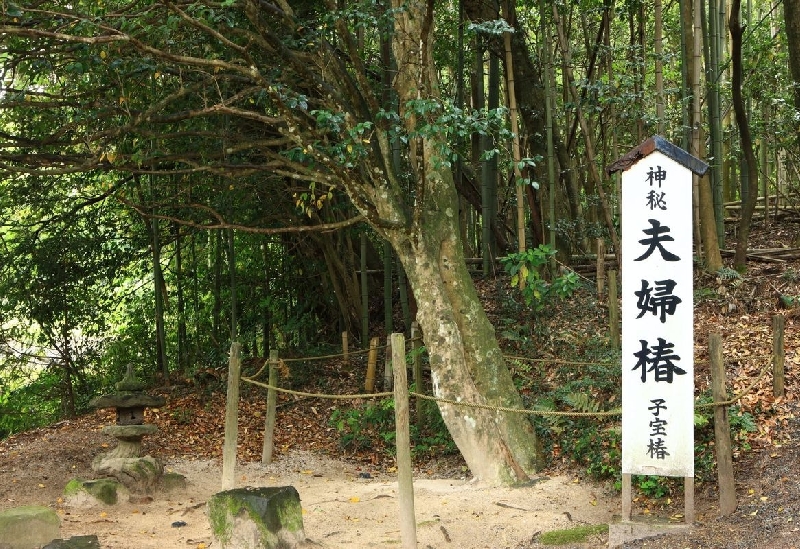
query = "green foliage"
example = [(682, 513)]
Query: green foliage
[(741, 423), (529, 267), (372, 425), (790, 275), (653, 486), (362, 425), (726, 273)]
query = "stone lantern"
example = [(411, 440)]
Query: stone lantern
[(125, 462)]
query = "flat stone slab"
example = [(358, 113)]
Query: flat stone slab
[(28, 527), (620, 533), (128, 400), (75, 542)]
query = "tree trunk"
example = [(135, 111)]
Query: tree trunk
[(489, 173), (158, 286), (708, 227), (791, 13), (748, 201), (181, 301), (216, 311), (659, 65), (233, 285), (466, 362)]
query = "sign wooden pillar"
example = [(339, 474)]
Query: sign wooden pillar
[(657, 314)]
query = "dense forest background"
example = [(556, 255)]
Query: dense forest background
[(157, 203)]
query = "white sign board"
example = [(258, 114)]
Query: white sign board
[(657, 318)]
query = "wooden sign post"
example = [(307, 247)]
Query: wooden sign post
[(657, 315)]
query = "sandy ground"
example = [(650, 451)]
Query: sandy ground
[(341, 509)]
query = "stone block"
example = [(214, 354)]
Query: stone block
[(173, 482), (87, 493), (257, 518), (28, 527)]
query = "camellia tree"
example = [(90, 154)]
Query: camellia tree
[(334, 98)]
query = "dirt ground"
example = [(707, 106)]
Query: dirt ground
[(341, 508)]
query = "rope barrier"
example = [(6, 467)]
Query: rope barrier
[(507, 357), (435, 399), (742, 393), (607, 413), (556, 361), (614, 412), (349, 353), (316, 395)]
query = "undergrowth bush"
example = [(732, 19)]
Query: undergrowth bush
[(371, 425)]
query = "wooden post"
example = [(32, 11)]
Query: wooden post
[(627, 496), (722, 429), (345, 349), (388, 377), (272, 401), (372, 359), (688, 500), (405, 482), (416, 345), (777, 356), (613, 310), (231, 418)]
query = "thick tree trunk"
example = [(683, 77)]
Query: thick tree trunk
[(466, 362)]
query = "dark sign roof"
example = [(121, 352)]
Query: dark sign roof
[(658, 143)]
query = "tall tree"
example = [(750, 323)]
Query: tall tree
[(303, 103), (751, 197)]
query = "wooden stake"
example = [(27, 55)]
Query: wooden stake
[(405, 481), (372, 360), (601, 268), (613, 310), (777, 356), (722, 429), (345, 349), (626, 497), (231, 418), (388, 377), (688, 499), (272, 401)]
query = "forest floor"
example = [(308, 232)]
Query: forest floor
[(349, 495)]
